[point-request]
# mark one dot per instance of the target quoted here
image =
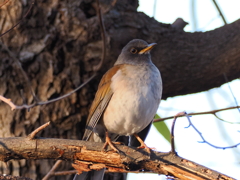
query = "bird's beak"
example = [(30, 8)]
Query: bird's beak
[(147, 49)]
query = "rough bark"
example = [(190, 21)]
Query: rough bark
[(59, 44), (88, 156)]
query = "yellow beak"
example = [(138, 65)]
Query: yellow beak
[(147, 49)]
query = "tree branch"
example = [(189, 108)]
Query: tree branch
[(89, 153), (25, 15), (220, 12), (189, 62), (33, 134), (25, 106), (204, 113), (52, 170), (204, 140)]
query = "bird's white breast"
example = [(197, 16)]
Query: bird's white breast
[(136, 96)]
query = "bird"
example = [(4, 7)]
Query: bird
[(126, 101)]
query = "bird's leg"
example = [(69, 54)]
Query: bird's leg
[(143, 145), (110, 143)]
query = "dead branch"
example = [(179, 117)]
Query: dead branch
[(88, 153), (173, 151), (34, 133), (103, 34), (19, 66), (220, 12), (25, 15), (24, 106), (52, 171)]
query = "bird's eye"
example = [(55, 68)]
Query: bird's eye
[(133, 51)]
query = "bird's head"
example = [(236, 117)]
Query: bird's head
[(136, 52)]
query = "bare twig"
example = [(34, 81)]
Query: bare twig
[(1, 5), (172, 131), (21, 69), (203, 139), (51, 172), (224, 120), (103, 34), (220, 12), (8, 101), (34, 133), (204, 113), (172, 136), (13, 106), (25, 15), (68, 94)]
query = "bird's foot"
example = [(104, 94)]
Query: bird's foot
[(110, 143), (143, 145)]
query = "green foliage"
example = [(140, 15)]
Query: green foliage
[(162, 128)]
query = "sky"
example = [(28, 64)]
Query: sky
[(215, 131)]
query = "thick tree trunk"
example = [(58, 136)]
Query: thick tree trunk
[(59, 44)]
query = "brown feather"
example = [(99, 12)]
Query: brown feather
[(102, 97)]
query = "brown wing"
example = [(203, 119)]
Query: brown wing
[(100, 101)]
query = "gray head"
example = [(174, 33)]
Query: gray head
[(136, 52)]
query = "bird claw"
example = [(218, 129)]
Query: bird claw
[(110, 143), (144, 146)]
